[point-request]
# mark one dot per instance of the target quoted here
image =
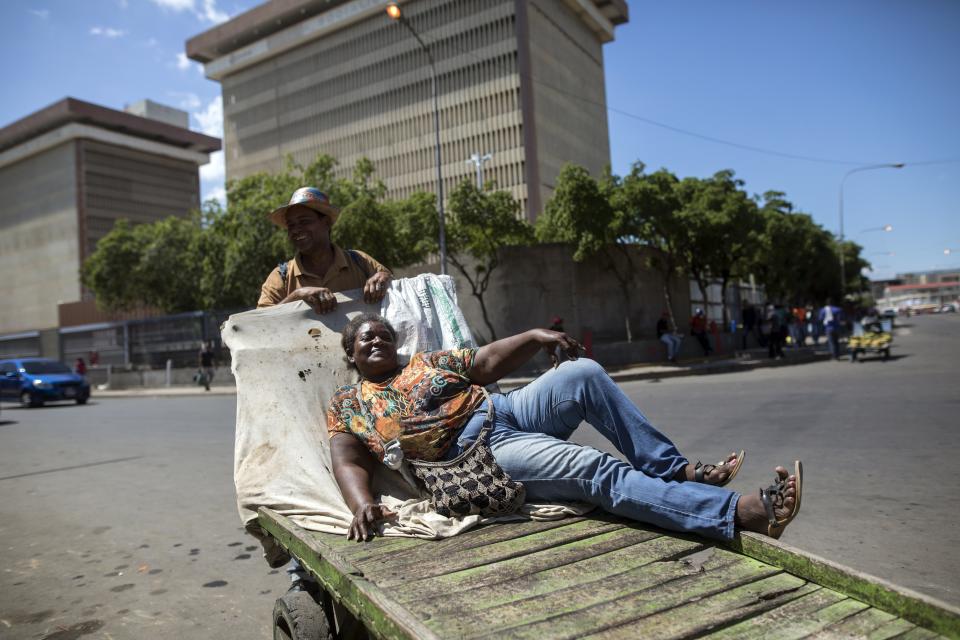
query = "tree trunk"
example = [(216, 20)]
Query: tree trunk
[(723, 301), (477, 289), (668, 298)]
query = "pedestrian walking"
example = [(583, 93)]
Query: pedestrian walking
[(775, 328), (207, 362), (698, 329), (831, 317), (749, 316)]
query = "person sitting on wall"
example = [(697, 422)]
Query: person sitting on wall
[(668, 337), (434, 407), (319, 268)]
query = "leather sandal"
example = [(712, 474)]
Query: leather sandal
[(772, 497), (700, 470)]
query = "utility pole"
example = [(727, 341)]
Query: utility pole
[(479, 160)]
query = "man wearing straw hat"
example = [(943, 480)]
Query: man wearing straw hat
[(319, 267)]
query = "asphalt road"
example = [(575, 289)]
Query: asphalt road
[(117, 519)]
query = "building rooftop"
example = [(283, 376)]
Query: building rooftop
[(928, 285), (275, 15), (70, 110)]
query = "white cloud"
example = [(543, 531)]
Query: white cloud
[(107, 32), (216, 193), (206, 11), (43, 14), (186, 100), (175, 5), (210, 121), (210, 118), (151, 43), (183, 62)]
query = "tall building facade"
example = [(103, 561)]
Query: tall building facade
[(522, 80), (67, 173)]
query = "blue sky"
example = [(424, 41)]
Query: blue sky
[(850, 83)]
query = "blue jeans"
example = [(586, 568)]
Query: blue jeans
[(529, 440)]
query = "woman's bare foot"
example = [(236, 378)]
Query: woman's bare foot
[(717, 475), (752, 515)]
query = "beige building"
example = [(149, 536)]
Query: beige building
[(520, 79), (67, 173)]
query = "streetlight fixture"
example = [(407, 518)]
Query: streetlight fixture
[(479, 161), (393, 10), (843, 275), (886, 228)]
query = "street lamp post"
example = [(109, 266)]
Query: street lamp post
[(843, 274), (479, 161), (393, 10)]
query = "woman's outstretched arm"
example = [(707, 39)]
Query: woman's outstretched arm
[(353, 469), (505, 356)]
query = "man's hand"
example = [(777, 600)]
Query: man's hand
[(376, 287), (320, 299), (365, 519)]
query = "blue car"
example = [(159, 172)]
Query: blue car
[(33, 381)]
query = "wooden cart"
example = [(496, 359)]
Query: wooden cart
[(593, 577)]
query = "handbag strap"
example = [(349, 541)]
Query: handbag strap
[(395, 443)]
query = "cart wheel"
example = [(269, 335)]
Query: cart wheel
[(297, 616)]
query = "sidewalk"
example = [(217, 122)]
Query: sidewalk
[(742, 361)]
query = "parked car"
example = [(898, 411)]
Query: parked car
[(34, 381)]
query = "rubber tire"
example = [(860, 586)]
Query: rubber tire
[(886, 354), (28, 399), (82, 400), (297, 616), (853, 356)]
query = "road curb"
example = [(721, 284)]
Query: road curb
[(624, 375)]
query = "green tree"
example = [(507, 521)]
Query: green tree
[(110, 271), (722, 227), (218, 257), (479, 224), (590, 215), (652, 203)]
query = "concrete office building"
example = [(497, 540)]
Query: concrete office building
[(521, 79), (67, 173)]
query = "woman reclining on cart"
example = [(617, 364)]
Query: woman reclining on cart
[(434, 407)]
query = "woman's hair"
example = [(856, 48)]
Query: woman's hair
[(350, 331)]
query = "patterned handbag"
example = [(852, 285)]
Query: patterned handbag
[(470, 484)]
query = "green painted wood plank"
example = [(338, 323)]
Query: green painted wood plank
[(722, 572), (477, 537), (390, 573), (660, 583), (379, 613), (699, 615), (915, 607), (379, 546), (796, 619), (594, 568), (514, 568)]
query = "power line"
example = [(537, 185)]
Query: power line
[(694, 134)]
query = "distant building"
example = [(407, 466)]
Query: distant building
[(922, 289), (67, 173), (521, 79)]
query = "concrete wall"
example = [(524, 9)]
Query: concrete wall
[(533, 284), (39, 247)]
